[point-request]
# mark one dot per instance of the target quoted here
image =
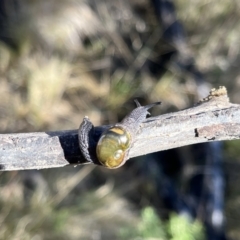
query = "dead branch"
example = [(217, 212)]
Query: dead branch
[(213, 119)]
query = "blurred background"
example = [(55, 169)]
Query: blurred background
[(63, 59)]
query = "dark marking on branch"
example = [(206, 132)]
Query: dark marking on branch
[(196, 132)]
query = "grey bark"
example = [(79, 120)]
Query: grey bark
[(214, 119)]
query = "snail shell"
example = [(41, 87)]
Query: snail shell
[(112, 147)]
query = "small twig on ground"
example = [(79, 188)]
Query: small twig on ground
[(212, 119)]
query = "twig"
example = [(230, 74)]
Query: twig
[(213, 119)]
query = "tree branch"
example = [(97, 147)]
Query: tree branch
[(213, 119)]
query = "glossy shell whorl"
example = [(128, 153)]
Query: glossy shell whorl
[(112, 147)]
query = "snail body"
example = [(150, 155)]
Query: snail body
[(113, 146)]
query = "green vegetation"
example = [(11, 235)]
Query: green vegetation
[(176, 228), (70, 59)]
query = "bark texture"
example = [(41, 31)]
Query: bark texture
[(212, 119)]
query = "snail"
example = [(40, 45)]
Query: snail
[(113, 146)]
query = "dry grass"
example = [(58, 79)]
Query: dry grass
[(76, 58)]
